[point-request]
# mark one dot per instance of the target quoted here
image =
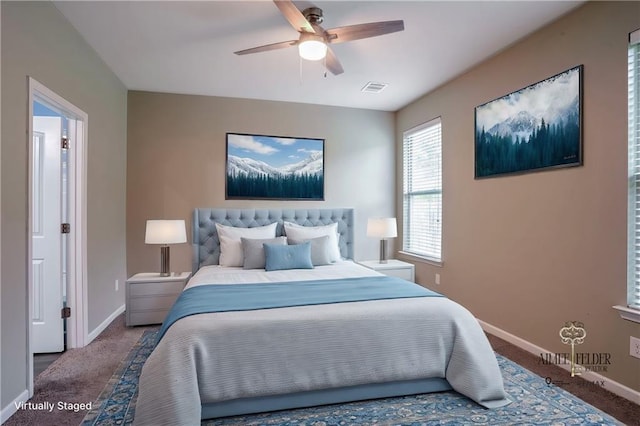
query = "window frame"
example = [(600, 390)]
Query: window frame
[(632, 310), (408, 250)]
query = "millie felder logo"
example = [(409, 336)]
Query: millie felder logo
[(573, 333)]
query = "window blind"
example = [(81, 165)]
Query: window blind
[(422, 190), (633, 274)]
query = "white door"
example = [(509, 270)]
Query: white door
[(48, 326)]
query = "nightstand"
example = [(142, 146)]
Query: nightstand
[(150, 296), (393, 267)]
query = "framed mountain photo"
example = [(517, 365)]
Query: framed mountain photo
[(274, 167), (535, 128)]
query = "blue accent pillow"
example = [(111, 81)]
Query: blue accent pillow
[(279, 257)]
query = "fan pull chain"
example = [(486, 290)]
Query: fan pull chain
[(324, 62), (300, 62)]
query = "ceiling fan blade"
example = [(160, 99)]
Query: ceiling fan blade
[(332, 63), (360, 31), (294, 16), (267, 47)]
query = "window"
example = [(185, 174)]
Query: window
[(422, 190), (633, 275)]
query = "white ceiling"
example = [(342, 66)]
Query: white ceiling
[(187, 47)]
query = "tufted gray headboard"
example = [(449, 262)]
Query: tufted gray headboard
[(206, 245)]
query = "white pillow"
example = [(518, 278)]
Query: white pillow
[(299, 232), (231, 244)]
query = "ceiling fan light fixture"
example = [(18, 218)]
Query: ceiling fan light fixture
[(313, 42), (312, 47)]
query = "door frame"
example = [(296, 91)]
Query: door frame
[(77, 243)]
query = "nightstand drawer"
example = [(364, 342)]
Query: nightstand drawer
[(147, 317), (163, 302), (152, 288), (405, 274), (393, 267)]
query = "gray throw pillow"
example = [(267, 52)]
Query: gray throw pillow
[(320, 249), (253, 251)]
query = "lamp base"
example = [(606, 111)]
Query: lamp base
[(164, 261), (383, 251)]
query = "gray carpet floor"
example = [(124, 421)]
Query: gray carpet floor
[(79, 375)]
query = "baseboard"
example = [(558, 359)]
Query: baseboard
[(99, 329), (610, 385), (10, 409)]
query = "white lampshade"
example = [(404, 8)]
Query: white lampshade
[(312, 47), (385, 227), (165, 232)]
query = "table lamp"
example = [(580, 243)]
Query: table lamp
[(165, 232), (382, 228)]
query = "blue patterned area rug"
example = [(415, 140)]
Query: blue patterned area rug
[(535, 403)]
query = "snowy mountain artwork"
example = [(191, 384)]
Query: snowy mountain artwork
[(538, 127), (270, 167)]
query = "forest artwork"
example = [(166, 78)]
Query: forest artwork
[(271, 167), (535, 128)]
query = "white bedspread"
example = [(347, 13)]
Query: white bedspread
[(225, 275), (223, 356)]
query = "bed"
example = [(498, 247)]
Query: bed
[(298, 337)]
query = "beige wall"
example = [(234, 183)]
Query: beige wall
[(176, 162), (527, 253), (37, 41)]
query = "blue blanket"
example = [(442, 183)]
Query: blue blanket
[(246, 297)]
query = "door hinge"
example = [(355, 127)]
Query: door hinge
[(66, 228), (64, 142), (65, 312)]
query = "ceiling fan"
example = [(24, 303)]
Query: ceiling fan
[(313, 43)]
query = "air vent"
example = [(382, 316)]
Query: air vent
[(374, 87)]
